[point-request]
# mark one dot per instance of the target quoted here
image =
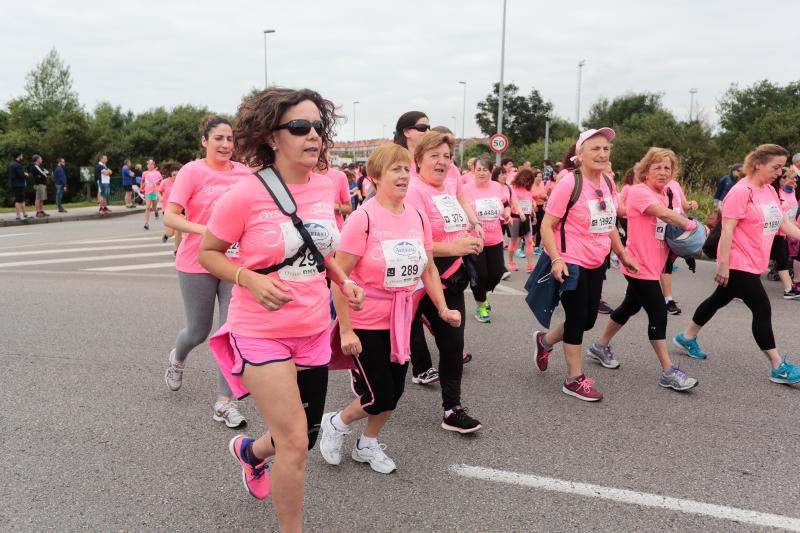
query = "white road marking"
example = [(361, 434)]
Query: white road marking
[(503, 289), (83, 259), (55, 251), (630, 496), (68, 273), (123, 268), (119, 239), (17, 234)]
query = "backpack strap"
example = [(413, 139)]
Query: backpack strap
[(276, 188), (573, 199)]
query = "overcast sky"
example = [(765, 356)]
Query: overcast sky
[(397, 56)]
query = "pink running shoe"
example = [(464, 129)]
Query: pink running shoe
[(256, 479), (530, 268), (583, 389), (512, 267), (542, 354)]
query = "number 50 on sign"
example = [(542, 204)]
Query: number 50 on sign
[(498, 143)]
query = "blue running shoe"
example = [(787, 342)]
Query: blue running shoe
[(537, 250), (786, 374), (690, 345), (520, 252)]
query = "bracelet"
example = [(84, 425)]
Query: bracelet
[(556, 260), (239, 271), (477, 223), (348, 281)]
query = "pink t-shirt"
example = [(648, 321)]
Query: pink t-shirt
[(488, 203), (247, 214), (469, 177), (539, 194), (587, 226), (524, 199), (453, 176), (788, 206), (150, 181), (759, 214), (197, 188), (623, 196), (645, 233), (393, 256), (165, 187), (342, 190)]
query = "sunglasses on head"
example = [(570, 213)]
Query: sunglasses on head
[(422, 128), (602, 204), (302, 126)]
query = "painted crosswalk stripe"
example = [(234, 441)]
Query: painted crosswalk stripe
[(117, 240), (55, 251), (630, 496), (83, 259), (17, 234), (123, 268)]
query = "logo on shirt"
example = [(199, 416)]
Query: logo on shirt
[(269, 215), (322, 209), (319, 233), (405, 249), (448, 201), (215, 188)]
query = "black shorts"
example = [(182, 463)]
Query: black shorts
[(127, 188), (19, 194)]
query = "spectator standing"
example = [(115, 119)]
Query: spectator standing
[(102, 174), (127, 183), (40, 186), (547, 171), (726, 183), (60, 179), (18, 181)]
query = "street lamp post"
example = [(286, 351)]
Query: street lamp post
[(354, 129), (383, 135), (500, 91), (463, 121), (578, 105), (265, 55), (692, 92)]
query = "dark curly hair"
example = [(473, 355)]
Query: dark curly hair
[(523, 179), (260, 114)]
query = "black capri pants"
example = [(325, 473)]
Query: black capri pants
[(490, 267), (644, 293), (748, 287), (780, 253), (580, 306), (537, 238), (379, 382)]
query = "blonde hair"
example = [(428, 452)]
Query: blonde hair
[(761, 155), (383, 157), (652, 156), (431, 140)]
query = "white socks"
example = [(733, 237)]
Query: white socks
[(339, 424)]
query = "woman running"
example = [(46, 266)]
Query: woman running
[(648, 215), (387, 249), (198, 186), (785, 187), (751, 216), (435, 196), (490, 201), (275, 344), (164, 189), (539, 198), (150, 181), (522, 223), (577, 239)]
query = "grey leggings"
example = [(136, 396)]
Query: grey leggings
[(199, 292)]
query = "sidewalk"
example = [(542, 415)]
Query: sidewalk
[(75, 214)]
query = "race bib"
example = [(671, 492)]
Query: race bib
[(661, 229), (454, 217), (326, 237), (405, 261), (526, 206), (772, 218), (601, 220), (487, 209), (233, 251)]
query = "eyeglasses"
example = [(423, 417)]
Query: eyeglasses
[(302, 126), (602, 204), (422, 128)]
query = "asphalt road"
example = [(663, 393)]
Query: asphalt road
[(92, 439)]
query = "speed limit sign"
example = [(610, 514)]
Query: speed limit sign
[(498, 143)]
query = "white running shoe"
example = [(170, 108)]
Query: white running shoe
[(174, 374), (228, 412), (331, 440), (378, 461)]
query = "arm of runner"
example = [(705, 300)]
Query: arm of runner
[(559, 268), (471, 217), (353, 293), (174, 220), (466, 245), (723, 257), (790, 228), (669, 216), (351, 344), (433, 288), (618, 248)]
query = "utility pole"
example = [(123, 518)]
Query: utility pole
[(463, 120), (354, 130), (547, 139), (500, 91), (265, 56), (692, 92), (578, 105)]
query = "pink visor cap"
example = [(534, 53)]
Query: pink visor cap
[(149, 161), (608, 133)]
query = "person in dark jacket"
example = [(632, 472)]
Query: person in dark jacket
[(726, 183), (18, 181), (60, 179)]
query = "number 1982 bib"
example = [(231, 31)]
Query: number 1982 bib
[(602, 220)]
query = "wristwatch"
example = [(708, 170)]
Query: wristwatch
[(476, 224)]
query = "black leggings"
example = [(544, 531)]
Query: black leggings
[(537, 238), (780, 253), (449, 341), (490, 267), (644, 293), (748, 287), (580, 306), (378, 381)]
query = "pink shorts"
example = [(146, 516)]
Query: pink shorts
[(307, 352)]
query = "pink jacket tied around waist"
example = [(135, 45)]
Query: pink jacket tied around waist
[(220, 346), (404, 304)]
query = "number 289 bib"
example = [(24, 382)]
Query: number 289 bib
[(405, 261)]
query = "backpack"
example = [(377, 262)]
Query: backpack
[(573, 199), (712, 241)]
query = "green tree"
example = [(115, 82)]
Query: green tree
[(524, 117), (614, 113)]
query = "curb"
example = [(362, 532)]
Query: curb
[(74, 218)]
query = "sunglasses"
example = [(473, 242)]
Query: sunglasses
[(422, 128), (602, 204), (302, 126)]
